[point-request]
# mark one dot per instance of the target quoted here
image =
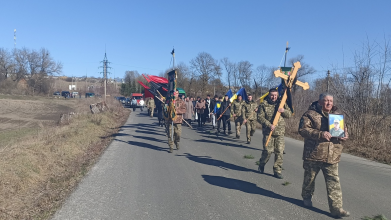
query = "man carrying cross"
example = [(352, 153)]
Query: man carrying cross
[(273, 125), (266, 113)]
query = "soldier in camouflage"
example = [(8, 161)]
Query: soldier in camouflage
[(249, 115), (237, 114), (276, 144), (151, 106), (180, 109), (322, 152)]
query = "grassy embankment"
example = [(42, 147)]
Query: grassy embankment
[(41, 168)]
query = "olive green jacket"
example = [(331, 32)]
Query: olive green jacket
[(248, 110), (266, 112), (151, 103), (237, 108), (316, 148)]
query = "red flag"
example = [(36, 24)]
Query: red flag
[(146, 78), (142, 84), (158, 79)]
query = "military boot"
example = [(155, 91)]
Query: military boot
[(237, 137), (261, 168), (307, 202), (171, 149), (278, 176), (340, 213), (177, 146), (229, 132)]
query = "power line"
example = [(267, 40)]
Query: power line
[(105, 67)]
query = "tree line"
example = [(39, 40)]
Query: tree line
[(34, 67)]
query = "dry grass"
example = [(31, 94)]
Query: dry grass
[(39, 171)]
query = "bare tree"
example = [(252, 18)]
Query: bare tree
[(205, 68), (305, 69), (245, 71), (231, 70), (260, 77), (6, 64)]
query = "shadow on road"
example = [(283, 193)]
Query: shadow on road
[(149, 132), (150, 139), (213, 162), (145, 145), (252, 188), (228, 144)]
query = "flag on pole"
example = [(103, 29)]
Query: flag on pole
[(241, 92), (229, 94), (217, 107)]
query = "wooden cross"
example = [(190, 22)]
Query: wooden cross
[(289, 83)]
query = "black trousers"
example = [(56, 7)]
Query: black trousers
[(218, 122), (226, 121)]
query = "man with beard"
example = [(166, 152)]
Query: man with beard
[(322, 152), (249, 115), (266, 113)]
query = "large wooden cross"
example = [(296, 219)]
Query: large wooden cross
[(289, 80)]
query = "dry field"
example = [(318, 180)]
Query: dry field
[(40, 161)]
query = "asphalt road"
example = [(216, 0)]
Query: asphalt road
[(208, 178)]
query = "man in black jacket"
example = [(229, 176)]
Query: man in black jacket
[(212, 109), (226, 106)]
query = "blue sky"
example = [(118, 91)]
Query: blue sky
[(139, 35)]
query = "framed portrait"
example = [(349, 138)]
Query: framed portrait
[(337, 125)]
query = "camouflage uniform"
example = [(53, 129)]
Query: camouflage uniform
[(237, 110), (180, 109), (320, 154), (249, 114), (276, 144), (151, 106)]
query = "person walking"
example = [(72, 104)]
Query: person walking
[(189, 110), (237, 114), (322, 152), (212, 109), (196, 113), (159, 109), (207, 109), (249, 115), (180, 109), (151, 106), (266, 113), (141, 102), (200, 107), (226, 106), (133, 103)]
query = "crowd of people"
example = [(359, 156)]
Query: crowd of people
[(322, 150)]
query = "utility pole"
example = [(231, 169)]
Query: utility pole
[(105, 67), (328, 80)]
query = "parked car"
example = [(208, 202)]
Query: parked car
[(138, 97), (56, 93), (66, 94), (75, 94), (122, 99), (127, 101), (90, 94)]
